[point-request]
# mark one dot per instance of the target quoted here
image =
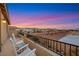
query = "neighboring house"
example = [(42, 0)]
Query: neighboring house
[(72, 39)]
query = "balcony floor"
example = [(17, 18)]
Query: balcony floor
[(7, 49)]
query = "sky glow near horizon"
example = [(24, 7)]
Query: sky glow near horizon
[(44, 15)]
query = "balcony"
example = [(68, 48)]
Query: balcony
[(43, 45)]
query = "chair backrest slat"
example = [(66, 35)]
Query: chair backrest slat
[(13, 44), (14, 38)]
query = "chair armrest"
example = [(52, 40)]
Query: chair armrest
[(33, 51), (19, 42), (23, 47)]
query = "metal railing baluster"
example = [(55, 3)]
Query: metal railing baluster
[(70, 50), (64, 49)]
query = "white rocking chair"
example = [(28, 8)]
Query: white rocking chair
[(19, 47), (26, 52)]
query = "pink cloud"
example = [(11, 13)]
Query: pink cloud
[(34, 21)]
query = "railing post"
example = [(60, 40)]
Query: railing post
[(48, 44), (53, 45), (64, 49), (45, 43), (60, 47), (56, 47), (76, 51), (70, 50)]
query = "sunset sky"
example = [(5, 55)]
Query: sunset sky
[(63, 16)]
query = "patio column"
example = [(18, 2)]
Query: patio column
[(0, 30)]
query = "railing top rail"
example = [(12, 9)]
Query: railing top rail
[(55, 40)]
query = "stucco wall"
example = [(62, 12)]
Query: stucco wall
[(0, 29), (4, 36)]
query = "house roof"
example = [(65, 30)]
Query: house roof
[(4, 12), (72, 39)]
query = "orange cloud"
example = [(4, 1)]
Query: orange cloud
[(59, 26)]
